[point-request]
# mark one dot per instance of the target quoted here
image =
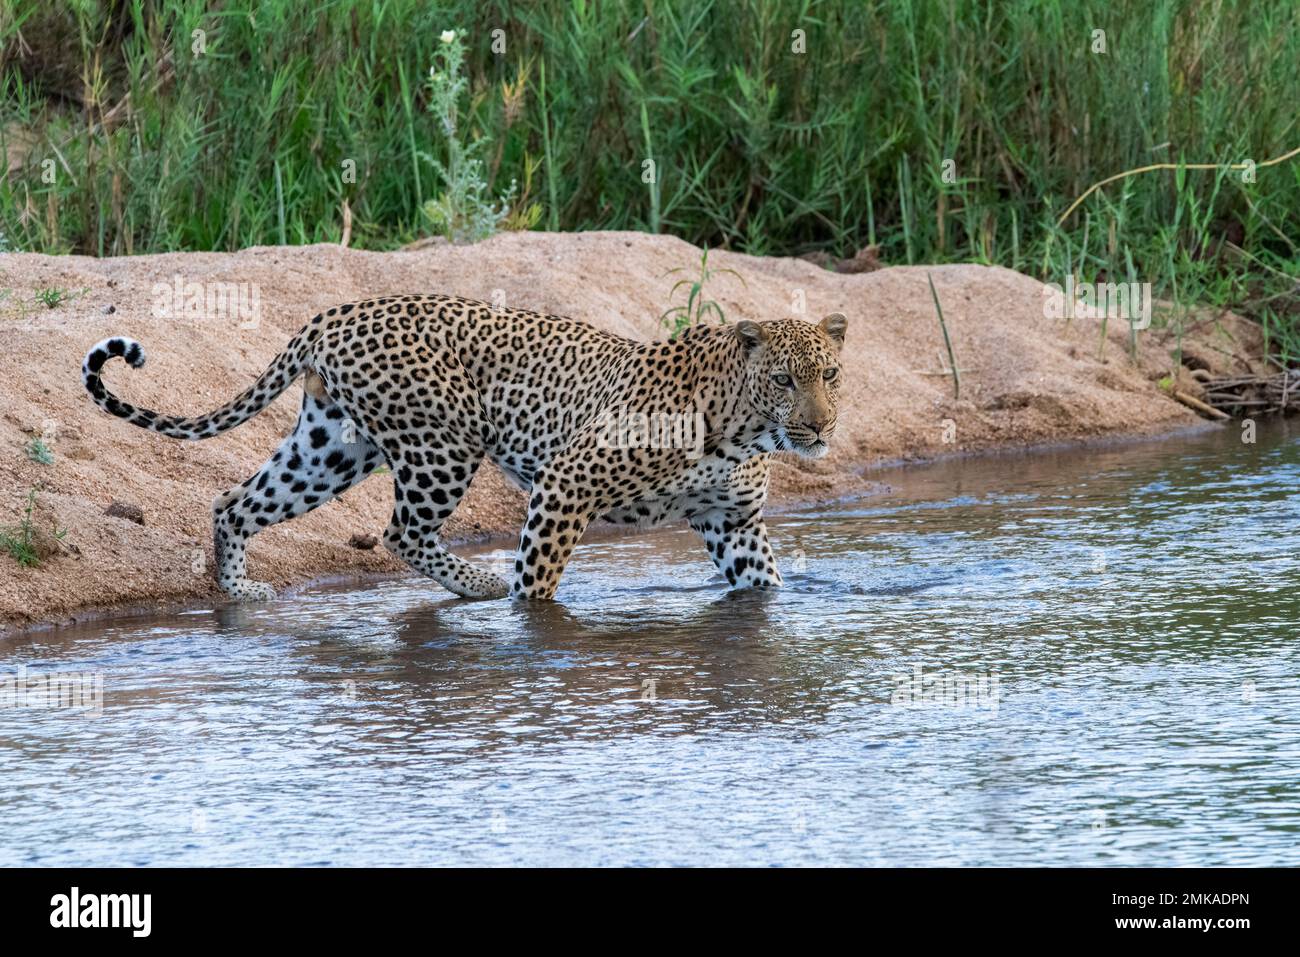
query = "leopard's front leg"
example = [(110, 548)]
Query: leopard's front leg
[(590, 477), (557, 517), (739, 547), (730, 519)]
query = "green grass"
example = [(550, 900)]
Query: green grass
[(52, 297), (20, 540), (756, 148), (947, 340)]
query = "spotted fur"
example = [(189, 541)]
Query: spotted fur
[(432, 385)]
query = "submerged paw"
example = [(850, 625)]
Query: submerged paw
[(247, 590), (492, 587)]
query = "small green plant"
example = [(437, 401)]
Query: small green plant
[(463, 213), (20, 540), (54, 296), (38, 451), (697, 307), (49, 297)]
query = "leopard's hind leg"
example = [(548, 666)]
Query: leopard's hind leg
[(325, 456), (427, 486), (434, 434)]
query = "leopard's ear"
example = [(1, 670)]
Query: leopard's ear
[(834, 326), (751, 334)]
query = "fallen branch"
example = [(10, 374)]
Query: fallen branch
[(1272, 393), (1194, 403), (1174, 166)]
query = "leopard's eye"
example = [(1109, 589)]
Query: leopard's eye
[(830, 375), (784, 380)]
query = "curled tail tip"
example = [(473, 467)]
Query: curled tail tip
[(106, 349)]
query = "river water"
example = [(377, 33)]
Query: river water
[(1064, 658)]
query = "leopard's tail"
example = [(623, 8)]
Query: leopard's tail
[(279, 375)]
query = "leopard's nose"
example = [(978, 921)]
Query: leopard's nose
[(817, 425)]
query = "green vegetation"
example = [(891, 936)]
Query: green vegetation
[(947, 340), (696, 308), (20, 540), (461, 212), (49, 297), (54, 296), (39, 452), (941, 130)]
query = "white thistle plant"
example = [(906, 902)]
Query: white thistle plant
[(464, 213)]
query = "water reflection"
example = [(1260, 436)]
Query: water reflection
[(564, 673)]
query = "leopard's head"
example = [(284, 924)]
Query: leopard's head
[(793, 378)]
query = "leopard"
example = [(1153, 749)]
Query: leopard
[(430, 386)]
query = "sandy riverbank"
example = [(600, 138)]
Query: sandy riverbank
[(1027, 380)]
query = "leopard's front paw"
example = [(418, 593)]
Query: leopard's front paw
[(493, 586), (248, 590), (476, 583)]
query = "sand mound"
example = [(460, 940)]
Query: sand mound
[(1026, 380)]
